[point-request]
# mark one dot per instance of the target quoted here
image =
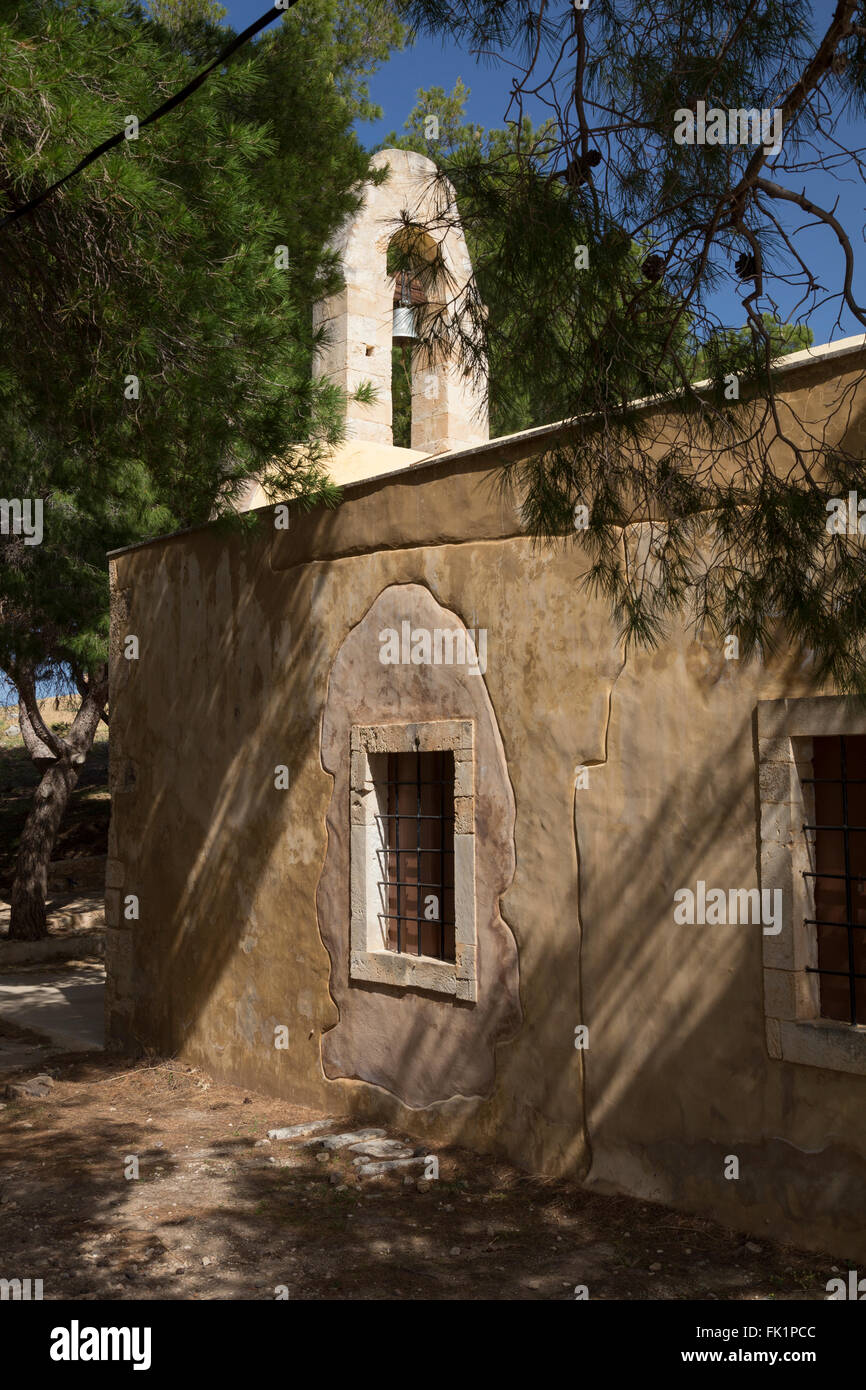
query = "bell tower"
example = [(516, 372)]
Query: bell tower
[(378, 307)]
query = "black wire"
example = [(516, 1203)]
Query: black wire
[(162, 110)]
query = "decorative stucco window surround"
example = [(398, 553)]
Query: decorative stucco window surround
[(795, 1030), (370, 959)]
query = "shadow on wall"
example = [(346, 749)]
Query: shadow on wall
[(231, 685), (224, 695), (678, 1077)]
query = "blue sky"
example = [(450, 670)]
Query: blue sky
[(434, 63)]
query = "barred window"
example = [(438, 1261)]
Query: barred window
[(417, 887), (812, 796), (412, 882), (839, 874)]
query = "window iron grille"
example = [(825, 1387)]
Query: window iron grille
[(839, 874), (417, 835)]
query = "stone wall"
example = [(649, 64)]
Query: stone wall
[(238, 673)]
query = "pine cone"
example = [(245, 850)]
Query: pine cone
[(576, 172), (653, 268)]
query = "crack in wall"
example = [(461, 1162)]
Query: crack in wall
[(412, 1065), (597, 762)]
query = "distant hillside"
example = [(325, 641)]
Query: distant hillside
[(58, 711)]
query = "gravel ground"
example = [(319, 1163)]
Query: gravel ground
[(218, 1211)]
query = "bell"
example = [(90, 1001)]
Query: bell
[(404, 325), (404, 333)]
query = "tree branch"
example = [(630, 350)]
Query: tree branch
[(40, 741), (840, 28), (776, 190), (90, 711)]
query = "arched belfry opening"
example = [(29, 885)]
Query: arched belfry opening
[(399, 277), (412, 264)]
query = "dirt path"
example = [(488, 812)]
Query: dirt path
[(64, 1004), (218, 1214)]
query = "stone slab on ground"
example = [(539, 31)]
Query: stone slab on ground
[(301, 1131), (389, 1165), (343, 1141), (380, 1148), (36, 1088)]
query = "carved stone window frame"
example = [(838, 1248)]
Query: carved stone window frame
[(795, 1030), (369, 959)]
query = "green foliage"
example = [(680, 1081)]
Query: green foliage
[(401, 396), (738, 350), (193, 27), (541, 306), (161, 262), (604, 246)]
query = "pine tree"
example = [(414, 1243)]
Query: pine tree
[(683, 161), (157, 343), (519, 399)]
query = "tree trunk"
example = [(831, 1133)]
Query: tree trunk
[(60, 761), (29, 890)]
